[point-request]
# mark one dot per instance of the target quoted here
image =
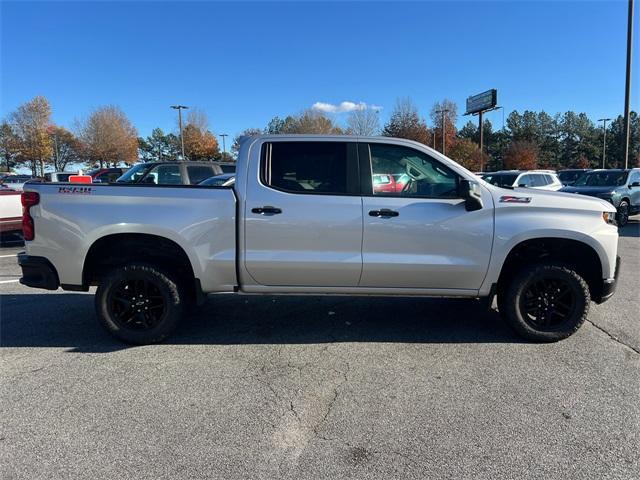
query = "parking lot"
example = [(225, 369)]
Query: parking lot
[(318, 387)]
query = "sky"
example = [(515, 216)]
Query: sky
[(244, 63)]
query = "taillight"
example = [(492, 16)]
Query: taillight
[(29, 199)]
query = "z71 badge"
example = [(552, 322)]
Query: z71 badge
[(75, 190), (513, 199)]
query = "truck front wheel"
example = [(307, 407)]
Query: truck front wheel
[(545, 302), (139, 303)]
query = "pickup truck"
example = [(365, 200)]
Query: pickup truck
[(303, 218)]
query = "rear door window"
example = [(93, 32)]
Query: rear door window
[(310, 167), (198, 173), (164, 175)]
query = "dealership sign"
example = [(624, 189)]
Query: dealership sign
[(481, 102)]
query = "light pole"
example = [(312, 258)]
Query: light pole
[(444, 126), (627, 91), (180, 108), (224, 145), (604, 138)]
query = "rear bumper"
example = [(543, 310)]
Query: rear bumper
[(609, 285), (38, 272)]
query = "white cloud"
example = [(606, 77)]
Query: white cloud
[(342, 107)]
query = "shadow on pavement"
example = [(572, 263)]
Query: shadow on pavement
[(8, 239), (631, 229), (68, 320)]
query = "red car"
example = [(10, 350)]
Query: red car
[(389, 183), (106, 175)]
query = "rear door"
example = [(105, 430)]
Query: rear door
[(303, 215), (421, 236)]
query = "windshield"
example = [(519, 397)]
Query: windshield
[(135, 174), (569, 175), (501, 179), (602, 179)]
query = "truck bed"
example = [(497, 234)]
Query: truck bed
[(202, 220)]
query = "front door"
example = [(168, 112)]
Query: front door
[(303, 216), (420, 235)]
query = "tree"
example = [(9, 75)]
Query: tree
[(109, 137), (9, 146), (199, 145), (159, 146), (364, 122), (66, 148), (31, 123), (616, 141), (248, 132), (406, 123), (521, 155), (450, 119), (199, 142), (467, 153), (314, 122), (307, 122)]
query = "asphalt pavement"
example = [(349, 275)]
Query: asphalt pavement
[(318, 387)]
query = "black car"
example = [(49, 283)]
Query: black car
[(170, 173), (619, 187), (569, 176)]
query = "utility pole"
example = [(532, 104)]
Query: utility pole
[(224, 145), (434, 138), (627, 92), (180, 108), (604, 138), (444, 126)]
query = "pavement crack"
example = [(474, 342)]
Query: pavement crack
[(614, 338)]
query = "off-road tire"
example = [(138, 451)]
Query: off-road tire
[(162, 287), (516, 296)]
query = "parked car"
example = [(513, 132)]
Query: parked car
[(170, 173), (569, 176), (224, 180), (303, 218), (106, 175), (540, 179), (619, 187), (10, 210), (227, 167), (15, 182), (58, 176)]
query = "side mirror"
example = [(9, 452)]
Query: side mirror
[(472, 195)]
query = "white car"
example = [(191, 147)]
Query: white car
[(540, 179), (304, 217)]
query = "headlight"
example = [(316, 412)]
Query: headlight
[(610, 218)]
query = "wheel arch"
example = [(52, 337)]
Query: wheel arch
[(119, 249), (577, 254)]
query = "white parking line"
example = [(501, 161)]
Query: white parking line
[(10, 281), (7, 256)]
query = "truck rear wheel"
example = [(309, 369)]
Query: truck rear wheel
[(139, 304), (545, 302)]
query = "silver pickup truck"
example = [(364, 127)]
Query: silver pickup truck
[(323, 215)]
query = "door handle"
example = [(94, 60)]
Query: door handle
[(266, 210), (384, 213)]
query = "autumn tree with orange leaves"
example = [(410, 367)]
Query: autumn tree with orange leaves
[(521, 155), (109, 137)]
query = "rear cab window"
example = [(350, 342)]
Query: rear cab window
[(321, 168)]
